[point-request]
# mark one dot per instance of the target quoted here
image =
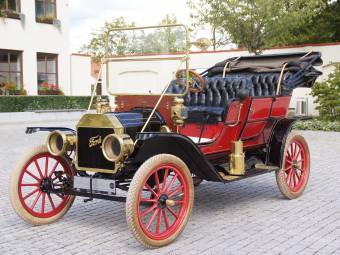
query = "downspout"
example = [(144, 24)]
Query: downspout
[(71, 85)]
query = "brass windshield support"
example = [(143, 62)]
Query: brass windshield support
[(182, 59), (95, 87), (280, 79)]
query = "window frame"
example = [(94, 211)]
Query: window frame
[(9, 72), (54, 12), (46, 55), (12, 14)]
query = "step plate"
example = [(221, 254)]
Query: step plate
[(100, 186), (248, 173)]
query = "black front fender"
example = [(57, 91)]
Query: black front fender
[(31, 130), (150, 144)]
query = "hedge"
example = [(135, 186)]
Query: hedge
[(34, 103), (318, 125)]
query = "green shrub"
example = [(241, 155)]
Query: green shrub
[(33, 103), (327, 95), (318, 125)]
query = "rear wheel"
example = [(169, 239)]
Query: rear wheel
[(30, 185), (293, 177), (159, 200)]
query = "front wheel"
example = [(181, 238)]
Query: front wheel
[(159, 200), (292, 178), (31, 183)]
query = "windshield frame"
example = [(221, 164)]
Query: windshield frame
[(185, 58)]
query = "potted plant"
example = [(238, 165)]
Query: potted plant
[(46, 18), (49, 89), (9, 87)]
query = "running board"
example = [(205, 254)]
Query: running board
[(261, 169)]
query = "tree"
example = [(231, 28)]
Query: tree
[(256, 24), (162, 40), (117, 40), (324, 27), (327, 95), (219, 37)]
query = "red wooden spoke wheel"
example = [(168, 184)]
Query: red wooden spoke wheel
[(293, 177), (159, 200), (31, 184)]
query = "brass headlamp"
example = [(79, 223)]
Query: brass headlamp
[(59, 143), (117, 146)]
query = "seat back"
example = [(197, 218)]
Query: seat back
[(219, 91)]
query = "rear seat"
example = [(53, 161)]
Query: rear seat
[(213, 100)]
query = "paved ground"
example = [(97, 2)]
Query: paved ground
[(248, 216)]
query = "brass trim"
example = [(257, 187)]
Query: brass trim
[(122, 59), (170, 202), (68, 140), (94, 120), (237, 166), (125, 143), (238, 116), (280, 79), (165, 129), (178, 112)]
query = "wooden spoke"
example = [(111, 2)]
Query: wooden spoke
[(32, 175), (30, 194), (151, 190), (46, 166), (152, 218), (165, 177), (147, 211), (36, 200), (51, 201), (172, 212)]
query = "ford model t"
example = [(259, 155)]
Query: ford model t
[(228, 123)]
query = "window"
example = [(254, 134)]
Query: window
[(45, 11), (301, 106), (47, 74), (10, 71), (9, 8)]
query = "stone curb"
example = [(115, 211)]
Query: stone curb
[(32, 117)]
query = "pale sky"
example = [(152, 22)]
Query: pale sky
[(88, 15)]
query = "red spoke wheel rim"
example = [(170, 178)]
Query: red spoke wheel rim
[(39, 168), (296, 166), (157, 219)]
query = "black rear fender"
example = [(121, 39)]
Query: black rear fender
[(278, 140), (150, 144)]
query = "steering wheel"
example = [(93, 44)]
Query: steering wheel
[(196, 81)]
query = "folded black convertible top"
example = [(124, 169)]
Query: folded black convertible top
[(267, 63), (298, 68)]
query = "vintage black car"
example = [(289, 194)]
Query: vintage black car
[(226, 124)]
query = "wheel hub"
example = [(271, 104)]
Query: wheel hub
[(46, 185), (162, 201)]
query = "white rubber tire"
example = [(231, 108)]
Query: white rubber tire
[(14, 191)]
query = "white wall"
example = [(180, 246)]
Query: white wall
[(80, 72), (31, 37)]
